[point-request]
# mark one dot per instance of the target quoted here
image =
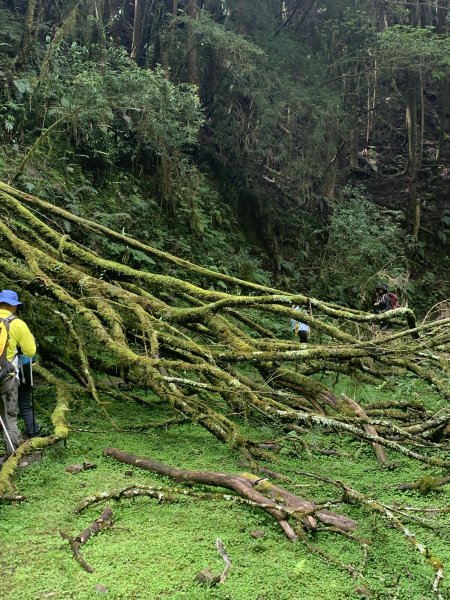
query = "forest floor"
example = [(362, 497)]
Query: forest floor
[(154, 550)]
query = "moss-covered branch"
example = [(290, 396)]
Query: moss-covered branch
[(172, 336)]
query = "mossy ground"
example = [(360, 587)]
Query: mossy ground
[(155, 550)]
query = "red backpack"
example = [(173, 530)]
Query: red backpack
[(394, 300)]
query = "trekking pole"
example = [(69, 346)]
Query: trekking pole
[(32, 397), (7, 434)]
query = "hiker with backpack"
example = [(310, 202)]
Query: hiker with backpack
[(301, 330), (13, 333), (384, 299)]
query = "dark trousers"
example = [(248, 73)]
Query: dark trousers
[(25, 403), (303, 336)]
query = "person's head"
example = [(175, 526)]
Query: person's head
[(382, 288), (9, 300)]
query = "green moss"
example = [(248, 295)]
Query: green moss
[(155, 550), (428, 484)]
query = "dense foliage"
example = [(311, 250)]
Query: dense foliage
[(204, 125), (359, 228)]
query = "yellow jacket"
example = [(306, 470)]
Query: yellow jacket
[(19, 335)]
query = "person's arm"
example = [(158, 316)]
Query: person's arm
[(26, 340)]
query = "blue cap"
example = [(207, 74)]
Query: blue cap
[(9, 297)]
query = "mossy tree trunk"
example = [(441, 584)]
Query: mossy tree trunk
[(26, 42), (413, 81)]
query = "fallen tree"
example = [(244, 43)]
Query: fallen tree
[(187, 339), (209, 346)]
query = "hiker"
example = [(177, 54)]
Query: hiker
[(26, 408), (300, 329), (13, 332), (382, 301)]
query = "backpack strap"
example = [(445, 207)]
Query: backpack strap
[(7, 322), (8, 319), (4, 364)]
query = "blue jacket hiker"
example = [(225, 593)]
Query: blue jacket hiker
[(300, 329)]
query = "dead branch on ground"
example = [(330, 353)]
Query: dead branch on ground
[(103, 522)]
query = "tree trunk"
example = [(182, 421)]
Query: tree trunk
[(353, 148), (372, 87), (135, 45), (25, 44), (414, 146), (444, 109), (426, 14), (442, 13), (41, 12), (414, 13), (329, 183), (191, 11), (381, 15)]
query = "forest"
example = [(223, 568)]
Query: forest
[(228, 225)]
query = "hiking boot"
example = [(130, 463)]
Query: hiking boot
[(28, 435)]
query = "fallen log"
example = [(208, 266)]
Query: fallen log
[(370, 429), (185, 338), (424, 484), (275, 500)]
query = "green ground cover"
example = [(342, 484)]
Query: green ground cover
[(155, 550)]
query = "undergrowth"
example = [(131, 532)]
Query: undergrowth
[(154, 551)]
